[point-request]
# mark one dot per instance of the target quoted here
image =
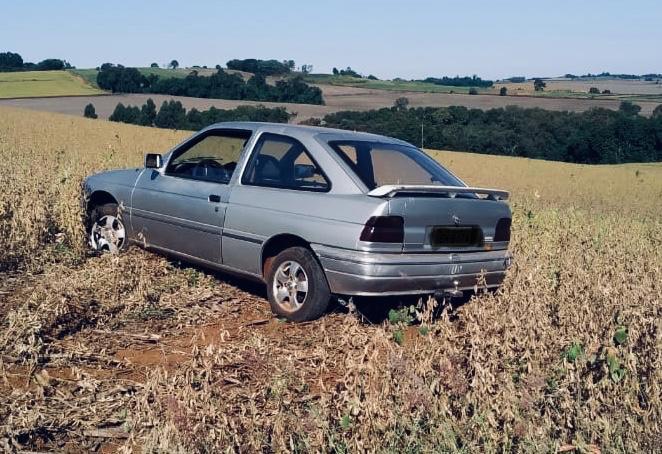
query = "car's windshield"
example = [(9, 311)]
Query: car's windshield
[(378, 164)]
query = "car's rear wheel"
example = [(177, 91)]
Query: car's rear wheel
[(107, 232), (297, 286)]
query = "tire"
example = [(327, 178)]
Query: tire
[(106, 232), (285, 278)]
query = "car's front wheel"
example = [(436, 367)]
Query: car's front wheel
[(107, 232), (297, 286)]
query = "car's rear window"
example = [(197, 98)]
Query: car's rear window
[(379, 163)]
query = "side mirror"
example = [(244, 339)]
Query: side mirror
[(153, 161), (302, 171)]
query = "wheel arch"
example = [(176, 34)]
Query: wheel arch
[(100, 197), (277, 244), (95, 199)]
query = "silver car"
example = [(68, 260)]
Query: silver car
[(314, 213)]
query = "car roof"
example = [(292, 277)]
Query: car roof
[(298, 131)]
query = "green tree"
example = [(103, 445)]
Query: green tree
[(657, 113), (628, 108), (335, 71), (503, 91), (473, 91), (51, 64), (154, 65), (594, 91), (401, 103), (459, 81), (265, 67), (172, 115), (349, 72), (258, 89), (174, 64), (148, 113), (119, 113), (10, 61), (89, 111), (125, 114), (117, 78), (539, 84), (597, 136)]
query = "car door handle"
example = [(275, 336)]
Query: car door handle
[(214, 198)]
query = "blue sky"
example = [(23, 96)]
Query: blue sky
[(409, 39)]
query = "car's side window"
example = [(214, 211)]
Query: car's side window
[(283, 162), (211, 157)]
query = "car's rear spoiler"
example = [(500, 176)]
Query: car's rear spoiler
[(391, 190)]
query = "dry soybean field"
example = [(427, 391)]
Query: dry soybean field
[(138, 353)]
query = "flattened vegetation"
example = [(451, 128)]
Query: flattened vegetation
[(139, 352)]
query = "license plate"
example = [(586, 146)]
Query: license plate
[(456, 236)]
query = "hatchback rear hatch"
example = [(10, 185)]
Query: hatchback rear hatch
[(448, 219)]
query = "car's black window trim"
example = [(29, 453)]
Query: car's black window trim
[(248, 169), (245, 134)]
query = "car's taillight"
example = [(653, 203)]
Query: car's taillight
[(502, 231), (384, 229)]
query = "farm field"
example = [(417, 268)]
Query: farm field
[(136, 352), (337, 98), (43, 83), (556, 87), (393, 85), (582, 86)]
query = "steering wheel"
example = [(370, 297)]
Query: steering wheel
[(210, 163), (209, 168)]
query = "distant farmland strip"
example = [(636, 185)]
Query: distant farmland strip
[(29, 84)]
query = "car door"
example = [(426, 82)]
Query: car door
[(181, 208), (280, 184)]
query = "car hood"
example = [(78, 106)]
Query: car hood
[(116, 177)]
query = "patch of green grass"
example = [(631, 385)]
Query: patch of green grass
[(193, 276), (404, 315), (90, 75), (30, 84), (621, 335), (345, 422), (616, 369), (574, 351)]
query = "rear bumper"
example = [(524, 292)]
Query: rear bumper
[(372, 274)]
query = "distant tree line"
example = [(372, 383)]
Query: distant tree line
[(264, 67), (220, 85), (173, 115), (597, 136), (457, 81), (10, 61), (349, 72), (619, 76)]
